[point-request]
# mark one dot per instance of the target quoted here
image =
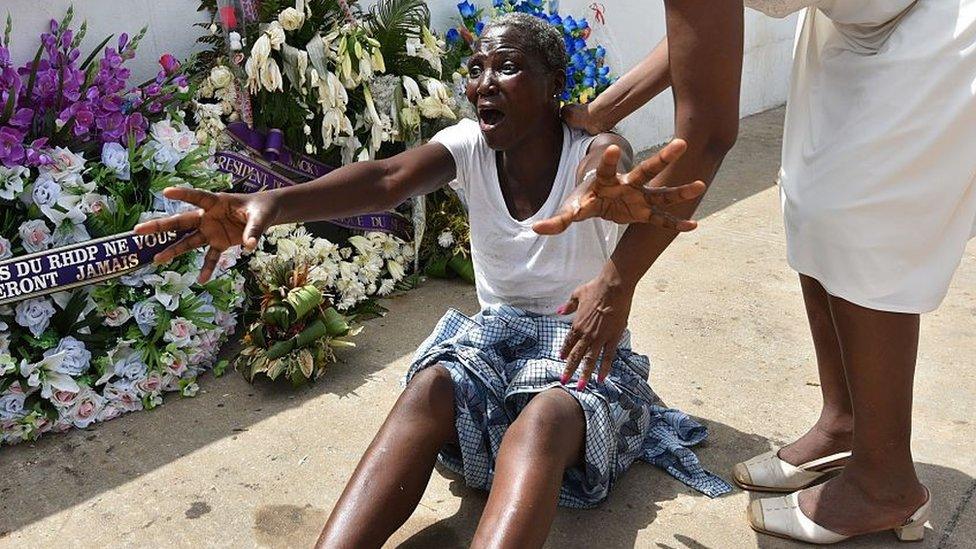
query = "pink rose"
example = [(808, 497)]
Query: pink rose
[(169, 64), (64, 399), (150, 384)]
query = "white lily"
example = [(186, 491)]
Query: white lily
[(276, 34), (397, 271), (45, 374), (170, 287), (271, 76), (261, 50), (412, 90)]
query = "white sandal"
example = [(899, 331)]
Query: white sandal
[(769, 473), (783, 518)]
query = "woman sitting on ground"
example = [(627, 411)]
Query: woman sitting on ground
[(488, 394)]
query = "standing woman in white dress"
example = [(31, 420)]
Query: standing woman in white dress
[(878, 188)]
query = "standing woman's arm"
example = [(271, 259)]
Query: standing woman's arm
[(704, 47)]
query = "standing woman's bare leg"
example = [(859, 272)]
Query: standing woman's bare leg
[(393, 473), (832, 432), (545, 440), (879, 488)]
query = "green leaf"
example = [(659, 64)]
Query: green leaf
[(304, 300), (64, 321), (335, 322), (94, 53), (311, 333), (220, 368), (437, 268), (463, 266)]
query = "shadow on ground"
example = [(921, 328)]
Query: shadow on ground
[(746, 170), (632, 506), (953, 491)]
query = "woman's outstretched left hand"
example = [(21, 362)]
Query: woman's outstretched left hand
[(602, 309), (640, 196)]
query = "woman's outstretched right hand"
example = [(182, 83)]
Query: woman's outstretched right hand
[(223, 220)]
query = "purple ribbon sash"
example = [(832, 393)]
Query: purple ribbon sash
[(271, 147), (267, 163), (80, 264)]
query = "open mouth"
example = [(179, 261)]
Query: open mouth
[(490, 117)]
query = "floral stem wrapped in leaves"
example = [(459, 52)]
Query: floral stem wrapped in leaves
[(84, 154), (311, 288)]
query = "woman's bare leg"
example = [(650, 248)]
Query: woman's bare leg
[(879, 488), (393, 473), (833, 431), (546, 439)]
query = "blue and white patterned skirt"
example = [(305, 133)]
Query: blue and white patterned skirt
[(502, 357)]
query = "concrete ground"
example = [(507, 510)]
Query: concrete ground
[(720, 315)]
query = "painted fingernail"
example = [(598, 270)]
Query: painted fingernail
[(561, 310), (565, 378), (581, 385)]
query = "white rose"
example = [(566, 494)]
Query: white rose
[(184, 142), (46, 191), (117, 316), (291, 19), (95, 203), (86, 408), (116, 158), (221, 76), (5, 248), (35, 235)]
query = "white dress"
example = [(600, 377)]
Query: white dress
[(878, 182)]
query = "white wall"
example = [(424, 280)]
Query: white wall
[(170, 26), (632, 28)]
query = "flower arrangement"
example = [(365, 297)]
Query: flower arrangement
[(341, 84), (312, 289), (587, 74), (84, 154)]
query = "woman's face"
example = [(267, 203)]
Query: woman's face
[(510, 87)]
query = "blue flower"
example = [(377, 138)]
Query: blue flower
[(498, 3), (479, 27), (601, 52), (590, 71), (580, 44), (467, 9), (554, 19), (589, 82), (569, 23), (453, 36), (579, 60), (604, 70)]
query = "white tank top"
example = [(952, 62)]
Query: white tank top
[(513, 265)]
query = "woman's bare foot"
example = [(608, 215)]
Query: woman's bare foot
[(848, 505), (826, 437)]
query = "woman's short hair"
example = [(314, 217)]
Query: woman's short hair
[(540, 35)]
